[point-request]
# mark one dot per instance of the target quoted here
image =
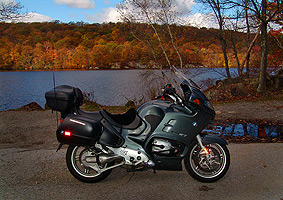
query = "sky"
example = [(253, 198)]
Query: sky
[(90, 11), (97, 11)]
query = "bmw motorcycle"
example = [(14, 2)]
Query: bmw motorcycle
[(159, 135)]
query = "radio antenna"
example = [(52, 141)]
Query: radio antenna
[(54, 85)]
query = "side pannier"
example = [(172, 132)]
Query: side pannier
[(78, 130), (64, 98)]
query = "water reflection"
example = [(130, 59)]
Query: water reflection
[(246, 129)]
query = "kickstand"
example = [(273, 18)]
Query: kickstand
[(59, 147)]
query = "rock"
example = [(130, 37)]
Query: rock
[(275, 82), (31, 107)]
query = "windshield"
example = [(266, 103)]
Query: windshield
[(185, 79)]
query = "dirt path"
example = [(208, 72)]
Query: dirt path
[(271, 111), (28, 129), (31, 169)]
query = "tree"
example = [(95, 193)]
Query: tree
[(238, 25), (233, 37), (248, 37), (219, 8), (154, 13), (11, 11), (265, 11)]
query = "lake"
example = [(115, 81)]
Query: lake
[(110, 87)]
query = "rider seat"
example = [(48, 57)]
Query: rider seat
[(128, 120), (92, 115)]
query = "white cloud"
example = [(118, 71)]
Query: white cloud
[(202, 20), (32, 17), (35, 17), (6, 1), (108, 15), (85, 4), (209, 20), (183, 7), (179, 8)]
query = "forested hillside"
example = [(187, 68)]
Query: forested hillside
[(40, 46)]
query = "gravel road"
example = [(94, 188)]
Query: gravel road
[(255, 173), (30, 168)]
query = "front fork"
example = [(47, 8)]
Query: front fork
[(203, 149), (200, 142)]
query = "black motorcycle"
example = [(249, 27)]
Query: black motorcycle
[(159, 135)]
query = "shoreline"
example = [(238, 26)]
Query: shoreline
[(103, 69)]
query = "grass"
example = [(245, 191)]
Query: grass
[(93, 106)]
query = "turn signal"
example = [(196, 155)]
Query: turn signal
[(206, 151), (67, 133), (197, 101)]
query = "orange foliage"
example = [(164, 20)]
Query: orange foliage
[(42, 46)]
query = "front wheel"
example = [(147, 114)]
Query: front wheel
[(207, 165), (79, 159)]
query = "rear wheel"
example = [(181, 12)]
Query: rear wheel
[(207, 165), (79, 159)]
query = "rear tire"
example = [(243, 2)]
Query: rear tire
[(75, 164), (207, 167)]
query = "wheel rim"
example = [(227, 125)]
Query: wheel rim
[(208, 165), (78, 161)]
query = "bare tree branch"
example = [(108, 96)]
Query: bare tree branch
[(11, 11), (154, 13)]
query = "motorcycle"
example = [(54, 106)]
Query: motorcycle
[(159, 135)]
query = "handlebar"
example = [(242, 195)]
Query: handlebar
[(169, 92), (194, 99)]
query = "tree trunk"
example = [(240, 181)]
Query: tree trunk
[(248, 38), (224, 49), (234, 47), (250, 48), (233, 41), (263, 61)]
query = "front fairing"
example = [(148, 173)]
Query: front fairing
[(192, 93), (177, 125), (178, 121)]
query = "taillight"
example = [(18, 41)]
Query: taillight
[(61, 120), (67, 133)]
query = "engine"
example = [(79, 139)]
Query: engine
[(165, 147)]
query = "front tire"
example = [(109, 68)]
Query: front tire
[(76, 164), (209, 165)]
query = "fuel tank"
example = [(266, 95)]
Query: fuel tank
[(154, 111)]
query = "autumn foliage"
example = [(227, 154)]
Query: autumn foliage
[(42, 46)]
